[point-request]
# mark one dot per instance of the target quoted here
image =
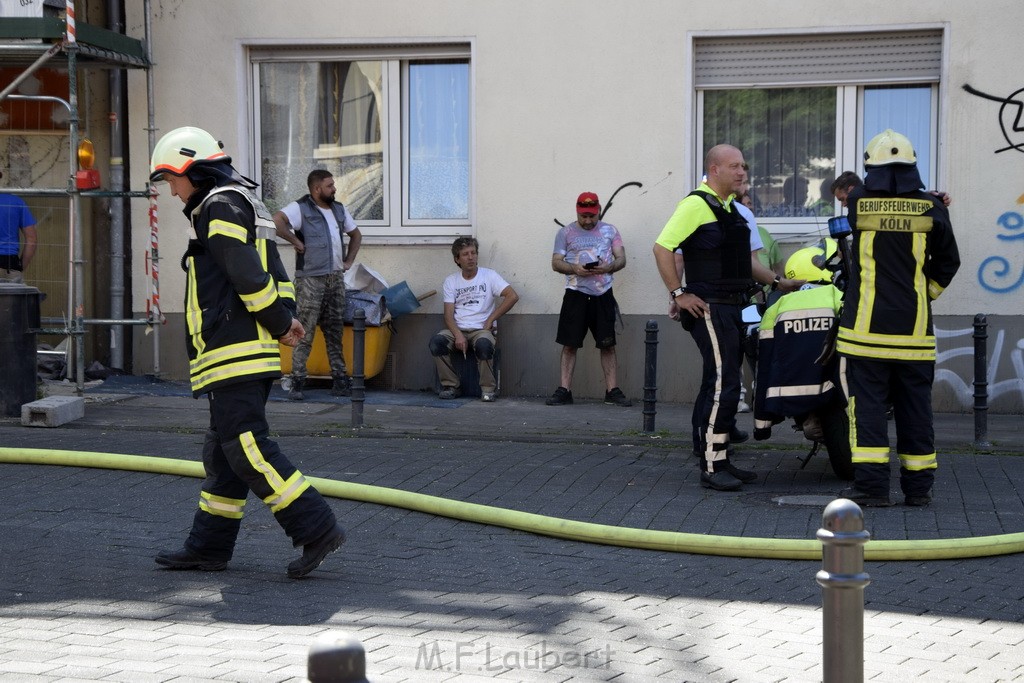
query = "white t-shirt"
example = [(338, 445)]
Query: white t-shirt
[(474, 299), (755, 234), (294, 216)]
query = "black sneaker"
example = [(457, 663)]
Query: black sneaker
[(314, 553), (186, 559), (866, 500), (615, 397), (746, 476), (295, 392), (561, 397), (720, 481), (918, 501), (448, 393), (342, 387), (737, 435)]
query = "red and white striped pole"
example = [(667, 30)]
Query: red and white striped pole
[(69, 20), (153, 260)]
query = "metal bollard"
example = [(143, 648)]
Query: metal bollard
[(336, 658), (358, 365), (650, 375), (842, 579), (981, 381)]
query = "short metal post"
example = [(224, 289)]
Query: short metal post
[(358, 363), (650, 376), (336, 658), (842, 579), (981, 381)]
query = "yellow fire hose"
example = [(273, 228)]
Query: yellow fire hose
[(671, 541)]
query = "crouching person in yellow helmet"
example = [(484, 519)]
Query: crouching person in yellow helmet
[(903, 256), (238, 304), (790, 382)]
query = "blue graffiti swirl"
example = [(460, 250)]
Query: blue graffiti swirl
[(1011, 221), (999, 268)]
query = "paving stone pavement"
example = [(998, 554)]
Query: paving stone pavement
[(437, 599)]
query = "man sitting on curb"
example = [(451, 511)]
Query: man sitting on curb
[(471, 312)]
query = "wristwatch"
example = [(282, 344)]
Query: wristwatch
[(775, 282), (678, 291)]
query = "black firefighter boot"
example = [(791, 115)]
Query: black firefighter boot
[(720, 479)]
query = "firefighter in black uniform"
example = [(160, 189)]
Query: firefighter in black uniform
[(720, 273), (238, 304), (904, 255)]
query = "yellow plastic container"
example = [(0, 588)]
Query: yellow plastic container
[(378, 339)]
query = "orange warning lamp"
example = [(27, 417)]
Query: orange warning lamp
[(87, 177)]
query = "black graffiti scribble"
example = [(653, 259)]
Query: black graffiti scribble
[(1010, 105)]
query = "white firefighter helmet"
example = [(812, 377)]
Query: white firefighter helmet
[(889, 147), (180, 149)]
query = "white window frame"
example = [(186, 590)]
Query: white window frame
[(849, 119), (394, 227)]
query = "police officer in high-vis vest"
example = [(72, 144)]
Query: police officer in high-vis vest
[(721, 268), (239, 304), (903, 256)]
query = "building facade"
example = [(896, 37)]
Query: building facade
[(448, 118)]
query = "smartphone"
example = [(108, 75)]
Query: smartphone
[(591, 265)]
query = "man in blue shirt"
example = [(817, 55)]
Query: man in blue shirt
[(15, 219)]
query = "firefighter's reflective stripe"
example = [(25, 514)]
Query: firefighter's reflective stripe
[(293, 488), (284, 491), (916, 463), (868, 272), (802, 390), (257, 301), (919, 250), (236, 360), (286, 290), (935, 290), (232, 230), (232, 508), (878, 350), (241, 369), (194, 313), (870, 454)]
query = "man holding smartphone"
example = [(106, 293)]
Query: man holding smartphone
[(587, 252)]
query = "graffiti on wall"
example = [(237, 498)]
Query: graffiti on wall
[(962, 341), (1011, 117), (997, 274)]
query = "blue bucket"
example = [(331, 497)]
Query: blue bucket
[(400, 299)]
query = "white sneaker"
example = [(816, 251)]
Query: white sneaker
[(743, 407), (488, 397)]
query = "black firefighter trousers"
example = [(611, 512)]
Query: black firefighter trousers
[(871, 385), (238, 458)]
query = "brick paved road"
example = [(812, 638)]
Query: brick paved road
[(435, 599)]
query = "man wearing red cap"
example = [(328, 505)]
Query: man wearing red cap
[(587, 252)]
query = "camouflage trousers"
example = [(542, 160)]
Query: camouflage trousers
[(321, 301)]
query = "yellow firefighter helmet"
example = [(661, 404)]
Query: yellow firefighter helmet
[(801, 266), (889, 147)]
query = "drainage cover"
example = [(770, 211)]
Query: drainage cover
[(809, 500)]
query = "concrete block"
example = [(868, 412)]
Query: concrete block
[(52, 411)]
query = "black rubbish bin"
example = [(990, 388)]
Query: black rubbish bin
[(19, 320)]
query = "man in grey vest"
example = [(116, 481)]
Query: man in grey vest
[(315, 225)]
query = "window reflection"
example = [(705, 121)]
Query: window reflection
[(788, 137), (438, 140), (323, 115), (907, 110)]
